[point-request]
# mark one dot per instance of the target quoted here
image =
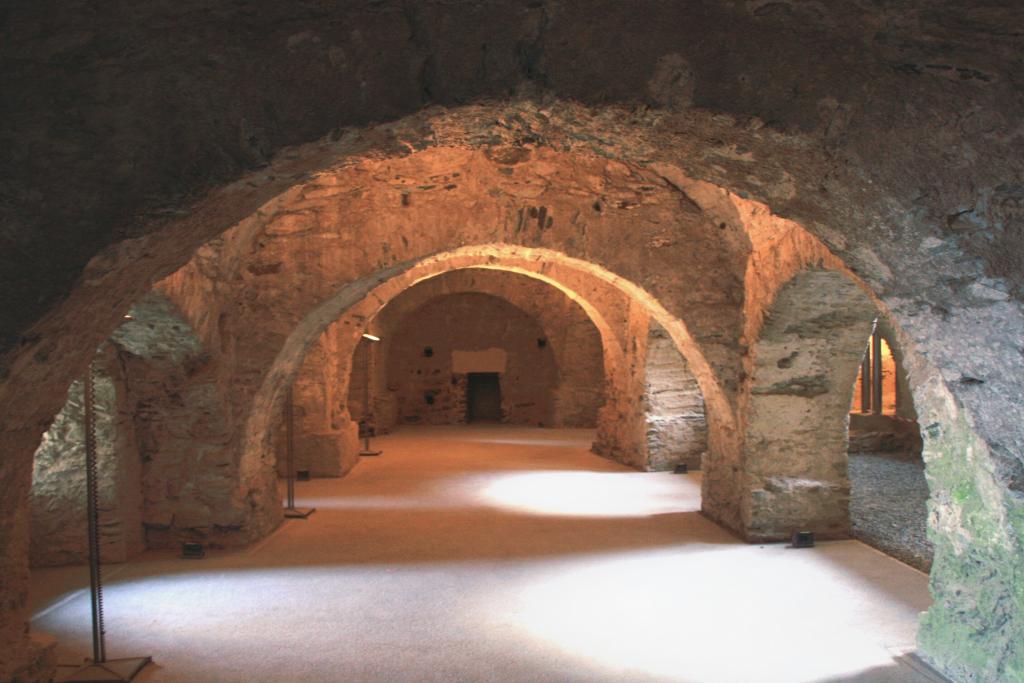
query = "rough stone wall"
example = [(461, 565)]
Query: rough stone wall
[(427, 389), (973, 629), (58, 498), (654, 416), (676, 425), (245, 374), (189, 489)]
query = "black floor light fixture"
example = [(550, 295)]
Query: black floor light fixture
[(289, 428), (802, 539), (99, 668), (372, 338)]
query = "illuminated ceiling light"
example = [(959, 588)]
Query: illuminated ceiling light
[(128, 316), (371, 337), (592, 494)]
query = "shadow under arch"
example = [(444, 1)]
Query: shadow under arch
[(367, 295)]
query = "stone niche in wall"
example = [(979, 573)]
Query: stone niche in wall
[(58, 497)]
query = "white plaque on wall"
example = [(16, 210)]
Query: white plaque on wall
[(488, 360)]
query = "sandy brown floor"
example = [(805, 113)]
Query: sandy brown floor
[(502, 554)]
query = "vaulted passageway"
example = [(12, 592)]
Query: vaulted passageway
[(694, 289), (511, 554)]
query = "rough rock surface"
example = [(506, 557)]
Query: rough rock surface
[(805, 364), (59, 522)]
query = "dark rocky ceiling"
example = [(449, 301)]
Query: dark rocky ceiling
[(117, 115)]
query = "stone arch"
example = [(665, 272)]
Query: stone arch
[(360, 300), (724, 136), (160, 420), (333, 453)]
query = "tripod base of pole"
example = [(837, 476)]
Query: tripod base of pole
[(367, 452), (110, 671), (298, 513)]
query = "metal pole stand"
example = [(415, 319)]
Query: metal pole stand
[(367, 451), (290, 510), (109, 671), (366, 446), (99, 668)]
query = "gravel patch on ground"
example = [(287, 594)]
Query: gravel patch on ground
[(887, 506)]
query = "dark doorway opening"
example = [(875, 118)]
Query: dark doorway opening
[(483, 397)]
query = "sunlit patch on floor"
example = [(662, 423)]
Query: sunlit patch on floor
[(593, 494), (714, 616)]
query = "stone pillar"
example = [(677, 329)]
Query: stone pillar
[(797, 412)]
